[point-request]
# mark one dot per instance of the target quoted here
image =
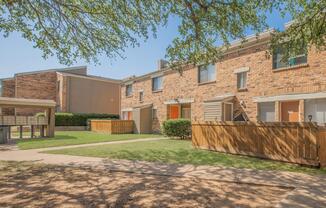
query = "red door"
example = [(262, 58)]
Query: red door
[(130, 115), (174, 111)]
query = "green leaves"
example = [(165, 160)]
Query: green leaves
[(81, 28), (72, 29)]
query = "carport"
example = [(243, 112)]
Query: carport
[(46, 122)]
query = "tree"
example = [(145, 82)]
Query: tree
[(88, 28)]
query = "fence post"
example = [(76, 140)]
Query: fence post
[(21, 132)]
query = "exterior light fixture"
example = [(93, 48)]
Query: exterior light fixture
[(310, 118)]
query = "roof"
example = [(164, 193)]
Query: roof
[(179, 101), (224, 97), (7, 101), (287, 97), (248, 41), (46, 70), (91, 77), (53, 70), (66, 72), (148, 105), (7, 78)]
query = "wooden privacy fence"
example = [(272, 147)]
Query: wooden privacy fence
[(302, 143), (112, 126), (322, 146)]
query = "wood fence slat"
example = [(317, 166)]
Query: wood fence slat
[(322, 147), (283, 141)]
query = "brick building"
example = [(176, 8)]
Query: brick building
[(72, 89), (247, 84)]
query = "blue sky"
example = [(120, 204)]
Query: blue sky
[(18, 55)]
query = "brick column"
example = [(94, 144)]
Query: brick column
[(257, 113), (51, 122), (301, 110), (277, 111)]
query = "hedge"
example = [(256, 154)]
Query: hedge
[(180, 128), (79, 119)]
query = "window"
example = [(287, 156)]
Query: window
[(206, 73), (157, 83), (141, 96), (128, 90), (186, 111), (242, 80), (213, 111), (267, 111), (297, 59)]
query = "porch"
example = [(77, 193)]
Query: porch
[(310, 107), (45, 124), (178, 108)]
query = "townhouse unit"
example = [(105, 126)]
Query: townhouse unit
[(71, 88), (247, 84)]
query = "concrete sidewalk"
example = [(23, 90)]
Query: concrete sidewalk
[(12, 153), (309, 190)]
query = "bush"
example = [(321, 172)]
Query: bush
[(180, 128), (79, 119)]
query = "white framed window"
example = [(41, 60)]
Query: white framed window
[(206, 73), (129, 90), (279, 62), (157, 83), (242, 80)]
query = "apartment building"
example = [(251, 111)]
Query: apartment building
[(72, 88), (248, 84)]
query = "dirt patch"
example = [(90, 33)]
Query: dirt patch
[(33, 185)]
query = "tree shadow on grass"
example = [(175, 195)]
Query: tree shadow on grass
[(203, 157), (61, 137)]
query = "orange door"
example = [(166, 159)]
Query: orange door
[(174, 112), (290, 111), (129, 115)]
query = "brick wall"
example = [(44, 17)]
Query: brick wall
[(8, 87), (261, 80), (8, 90), (36, 86)]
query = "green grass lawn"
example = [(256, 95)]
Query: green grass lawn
[(64, 138), (182, 152)]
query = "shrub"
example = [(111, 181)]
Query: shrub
[(79, 119), (180, 128)]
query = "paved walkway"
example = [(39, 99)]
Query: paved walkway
[(309, 191)]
